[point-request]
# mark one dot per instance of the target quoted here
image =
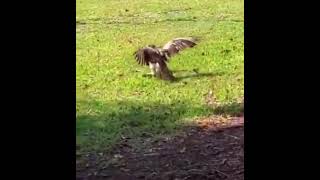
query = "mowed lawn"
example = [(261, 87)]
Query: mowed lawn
[(114, 99)]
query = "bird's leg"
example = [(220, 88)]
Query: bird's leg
[(153, 69), (158, 71)]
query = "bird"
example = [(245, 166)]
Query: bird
[(157, 57)]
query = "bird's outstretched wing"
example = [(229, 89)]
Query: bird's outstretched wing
[(147, 55), (176, 45)]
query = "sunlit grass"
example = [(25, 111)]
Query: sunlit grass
[(114, 98)]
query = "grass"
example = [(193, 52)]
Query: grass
[(113, 96)]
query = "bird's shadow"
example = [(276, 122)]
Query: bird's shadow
[(193, 74), (181, 75)]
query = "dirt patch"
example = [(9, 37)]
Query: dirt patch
[(211, 150)]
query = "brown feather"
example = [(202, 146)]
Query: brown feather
[(147, 55), (152, 54), (175, 46)]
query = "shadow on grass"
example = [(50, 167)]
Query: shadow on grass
[(121, 21), (196, 75), (100, 124), (231, 109), (181, 154), (188, 75), (183, 74), (80, 23)]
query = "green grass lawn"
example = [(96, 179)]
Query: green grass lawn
[(113, 96)]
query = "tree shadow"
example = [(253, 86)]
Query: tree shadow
[(230, 109), (194, 147), (100, 123)]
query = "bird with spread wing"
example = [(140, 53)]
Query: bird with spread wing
[(157, 57)]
